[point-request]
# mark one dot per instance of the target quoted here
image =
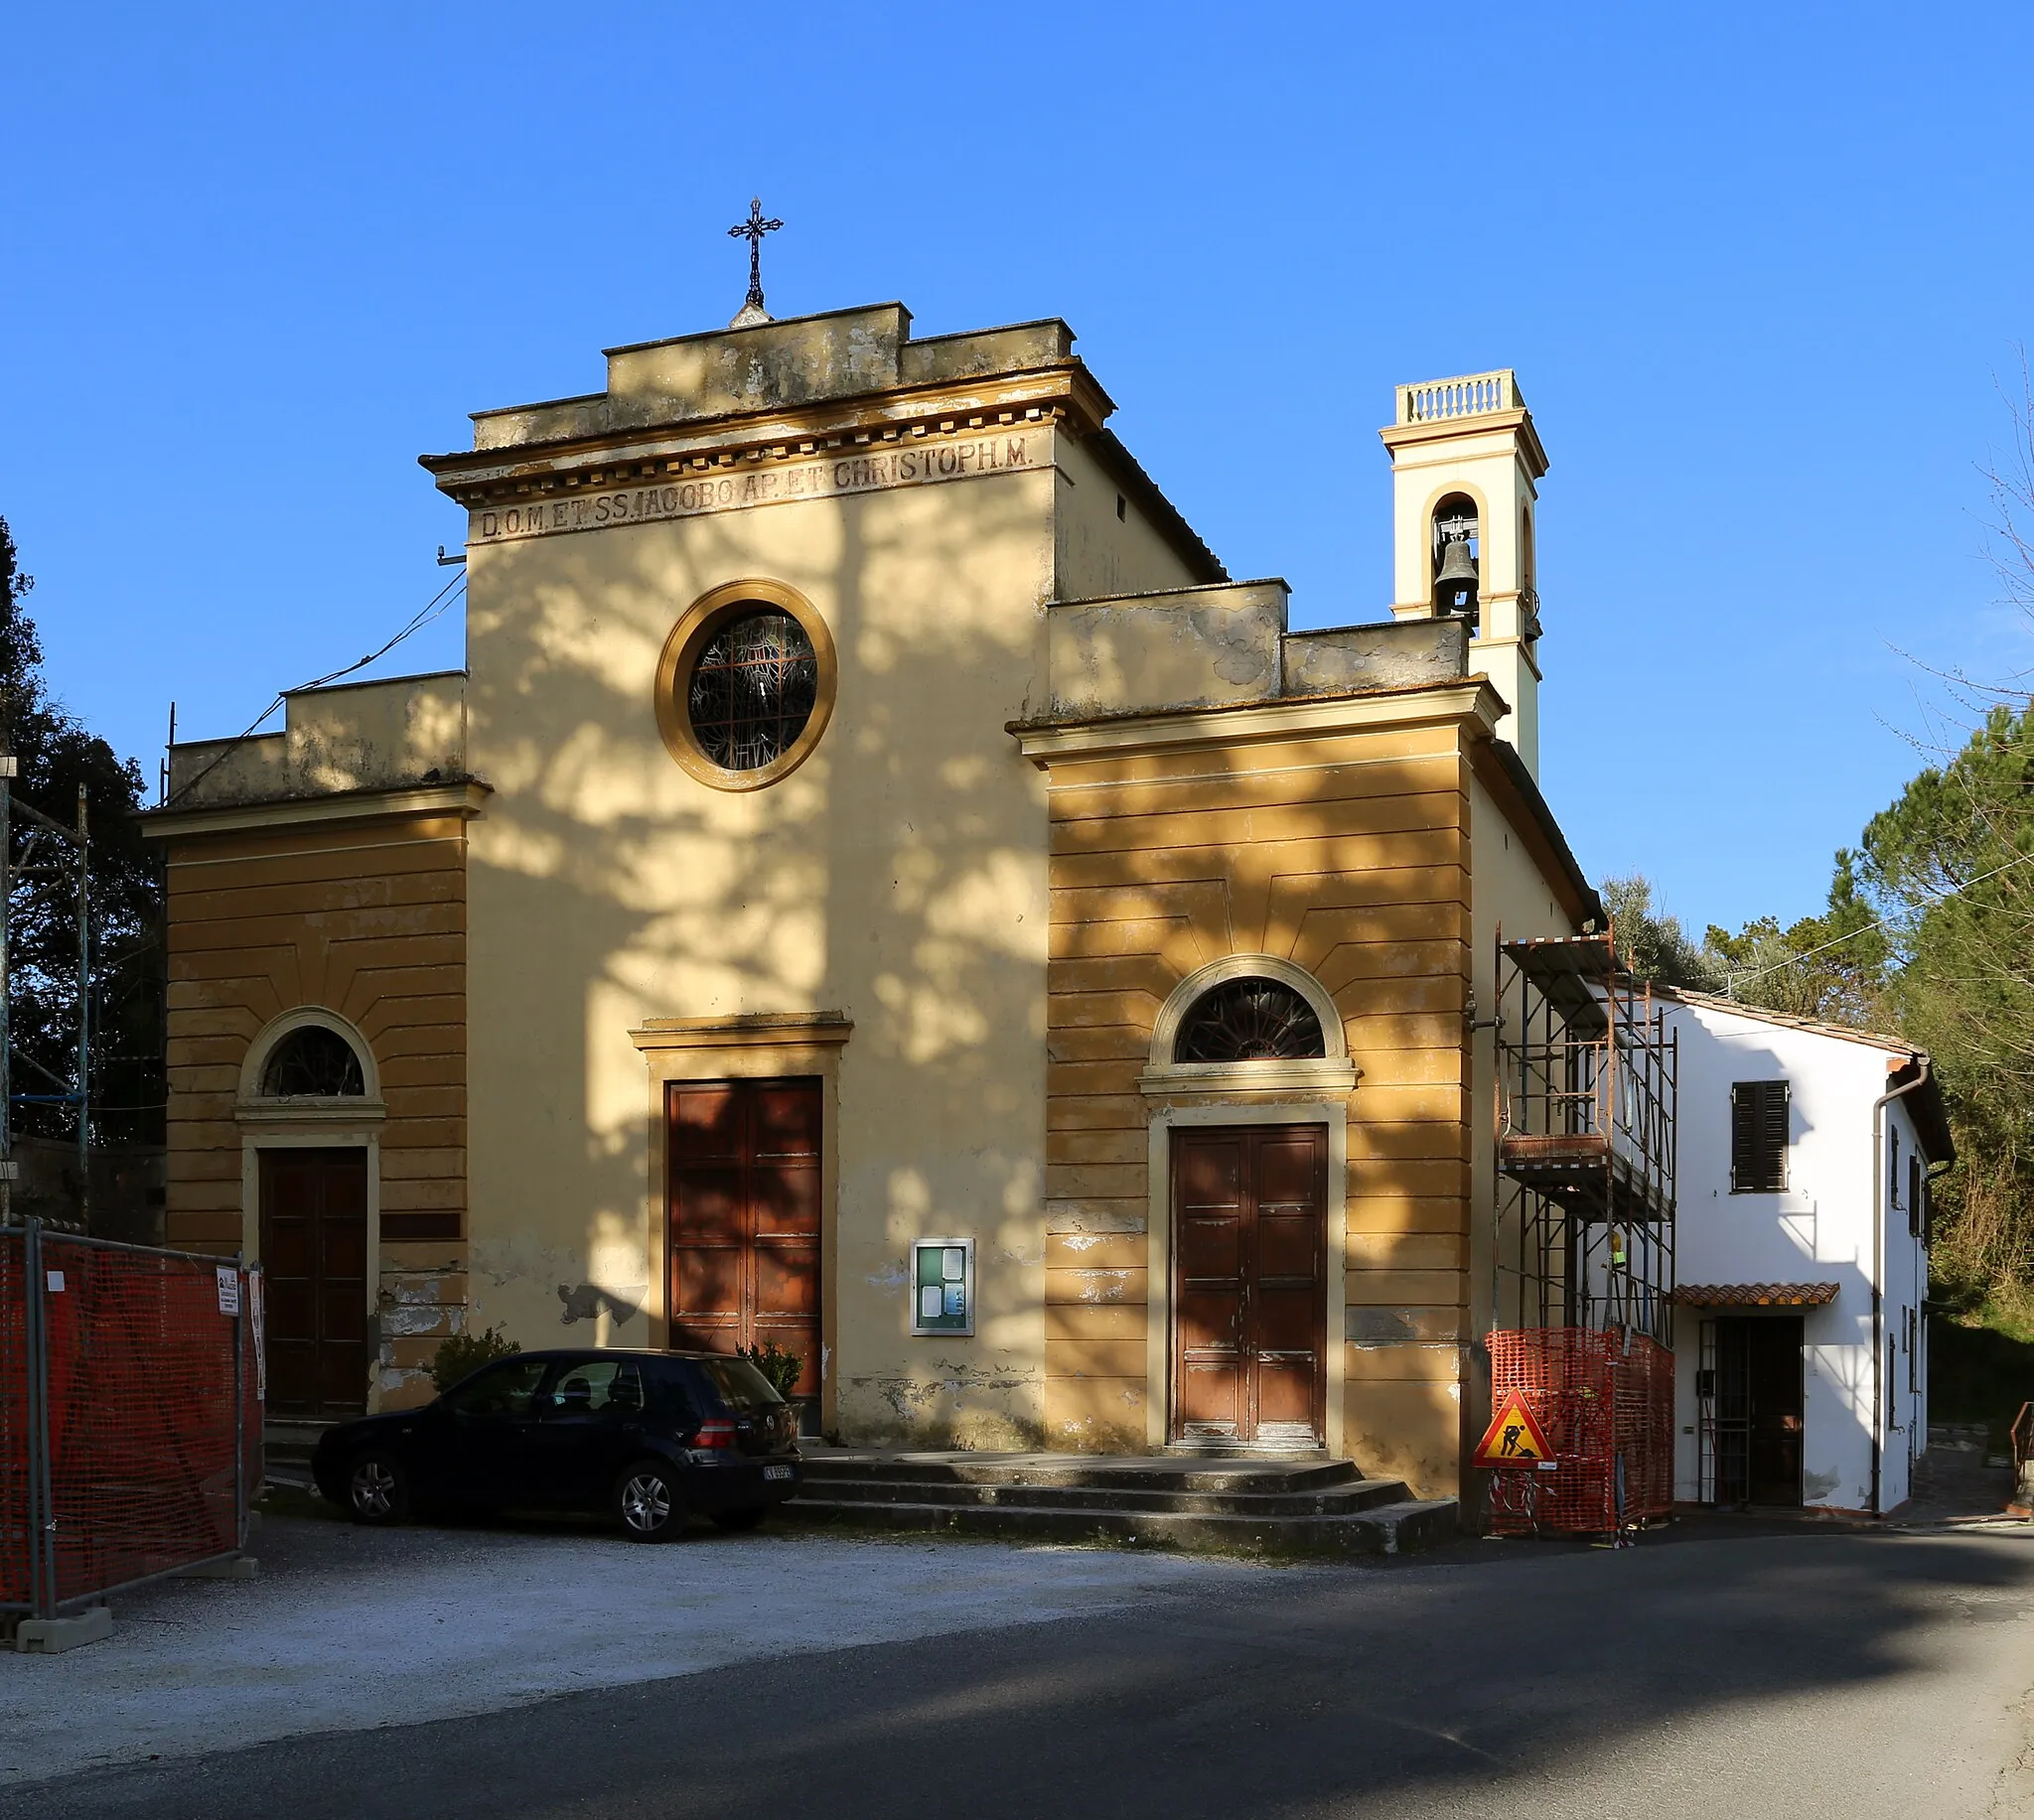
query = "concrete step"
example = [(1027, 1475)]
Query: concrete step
[(1229, 1477), (1384, 1529), (286, 1449), (1339, 1499)]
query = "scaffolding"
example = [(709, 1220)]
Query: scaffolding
[(1586, 1085), (1582, 1238)]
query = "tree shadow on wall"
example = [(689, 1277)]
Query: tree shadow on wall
[(895, 876)]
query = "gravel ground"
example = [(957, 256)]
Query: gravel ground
[(1811, 1671), (350, 1628)]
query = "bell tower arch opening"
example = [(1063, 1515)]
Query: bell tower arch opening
[(1466, 463), (1456, 539)]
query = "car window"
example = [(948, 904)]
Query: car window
[(594, 1388), (505, 1390), (675, 1396), (741, 1385)]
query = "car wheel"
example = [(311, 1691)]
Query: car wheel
[(378, 1491), (647, 1502), (748, 1517)]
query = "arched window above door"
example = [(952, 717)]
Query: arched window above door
[(1248, 1024), (313, 1061), (1253, 1018), (309, 1066)]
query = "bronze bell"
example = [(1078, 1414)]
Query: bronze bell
[(1455, 586)]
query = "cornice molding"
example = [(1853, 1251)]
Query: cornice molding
[(1228, 1079), (311, 1112), (821, 1029), (465, 800), (1504, 424), (1474, 703), (643, 452)]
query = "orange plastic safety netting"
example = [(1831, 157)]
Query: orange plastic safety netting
[(130, 1461), (1604, 1399)]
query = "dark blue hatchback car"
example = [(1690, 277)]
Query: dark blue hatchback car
[(647, 1437)]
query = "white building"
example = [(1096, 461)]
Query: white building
[(1801, 1258)]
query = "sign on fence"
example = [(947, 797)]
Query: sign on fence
[(1514, 1437)]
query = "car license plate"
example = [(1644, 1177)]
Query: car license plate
[(776, 1471)]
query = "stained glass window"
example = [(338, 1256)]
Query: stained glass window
[(752, 690), (1250, 1020), (313, 1063)]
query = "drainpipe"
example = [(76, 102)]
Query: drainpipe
[(1878, 1274)]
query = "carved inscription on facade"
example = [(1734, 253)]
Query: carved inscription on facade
[(828, 476)]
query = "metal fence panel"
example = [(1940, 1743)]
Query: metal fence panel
[(14, 1407), (132, 1447)]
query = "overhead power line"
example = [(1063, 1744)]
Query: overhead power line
[(435, 607), (1735, 979)]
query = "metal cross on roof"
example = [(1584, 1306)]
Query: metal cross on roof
[(753, 230)]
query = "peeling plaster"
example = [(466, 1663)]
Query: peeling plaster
[(945, 1410)]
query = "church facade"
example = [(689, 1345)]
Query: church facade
[(879, 888)]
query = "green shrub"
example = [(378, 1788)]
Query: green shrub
[(782, 1368), (465, 1353)]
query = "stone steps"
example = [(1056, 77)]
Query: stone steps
[(286, 1451), (1341, 1500), (1246, 1506), (1229, 1477)]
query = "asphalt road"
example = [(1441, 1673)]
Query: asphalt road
[(1741, 1674)]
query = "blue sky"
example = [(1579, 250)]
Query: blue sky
[(1759, 270)]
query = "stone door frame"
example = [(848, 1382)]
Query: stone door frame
[(1158, 1337)]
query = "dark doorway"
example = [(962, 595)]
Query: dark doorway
[(1250, 1286), (313, 1251), (744, 1213), (1757, 1410)]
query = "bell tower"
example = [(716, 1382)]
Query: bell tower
[(1465, 466)]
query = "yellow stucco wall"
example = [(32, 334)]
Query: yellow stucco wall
[(1343, 850), (1098, 550), (1513, 894), (363, 917), (897, 876)]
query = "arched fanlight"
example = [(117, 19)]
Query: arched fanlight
[(313, 1063), (1250, 1020)]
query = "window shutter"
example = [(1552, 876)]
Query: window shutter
[(1758, 1137), (1915, 1218), (1774, 1134)]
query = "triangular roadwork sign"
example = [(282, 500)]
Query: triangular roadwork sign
[(1514, 1437)]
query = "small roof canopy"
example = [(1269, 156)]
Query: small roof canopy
[(1755, 1295)]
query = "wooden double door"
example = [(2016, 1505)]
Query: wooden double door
[(743, 1206), (1249, 1303), (314, 1253)]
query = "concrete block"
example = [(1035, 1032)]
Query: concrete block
[(235, 1567), (49, 1636)]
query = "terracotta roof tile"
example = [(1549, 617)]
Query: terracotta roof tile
[(1755, 1295)]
